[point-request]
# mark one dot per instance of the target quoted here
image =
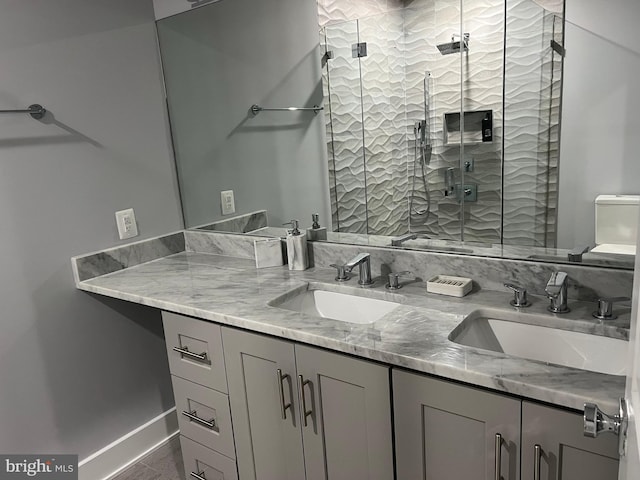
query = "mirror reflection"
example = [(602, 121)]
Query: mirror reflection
[(440, 125)]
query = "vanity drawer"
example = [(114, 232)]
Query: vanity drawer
[(202, 463), (195, 352), (204, 416)]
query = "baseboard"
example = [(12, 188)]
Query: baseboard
[(127, 450)]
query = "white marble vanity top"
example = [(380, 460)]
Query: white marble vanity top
[(231, 291)]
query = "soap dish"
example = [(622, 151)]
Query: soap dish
[(447, 285)]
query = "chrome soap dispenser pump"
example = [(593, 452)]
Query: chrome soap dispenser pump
[(316, 232), (297, 254)]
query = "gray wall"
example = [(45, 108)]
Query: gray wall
[(600, 120), (78, 371), (218, 61)]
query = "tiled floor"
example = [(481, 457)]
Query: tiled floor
[(163, 464)]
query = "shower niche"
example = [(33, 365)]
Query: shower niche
[(478, 128)]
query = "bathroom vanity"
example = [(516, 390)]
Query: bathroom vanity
[(266, 389)]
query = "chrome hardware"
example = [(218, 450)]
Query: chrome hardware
[(556, 291), (398, 241), (394, 280), (605, 308), (210, 424), (575, 255), (303, 401), (537, 457), (342, 275), (283, 407), (256, 109), (36, 111), (469, 165), (519, 295), (362, 260), (200, 357), (596, 422), (498, 457), (359, 50), (198, 476)]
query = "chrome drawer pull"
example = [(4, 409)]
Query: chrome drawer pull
[(305, 413), (498, 456), (283, 406), (198, 476), (211, 424), (537, 454), (202, 357)]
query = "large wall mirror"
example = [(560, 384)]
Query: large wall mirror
[(460, 126)]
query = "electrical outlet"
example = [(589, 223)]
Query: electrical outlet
[(127, 226), (228, 202)]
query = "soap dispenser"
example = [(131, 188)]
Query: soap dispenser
[(316, 232), (297, 247)]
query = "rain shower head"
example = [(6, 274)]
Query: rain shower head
[(454, 46)]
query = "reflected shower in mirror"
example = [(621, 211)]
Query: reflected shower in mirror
[(440, 126)]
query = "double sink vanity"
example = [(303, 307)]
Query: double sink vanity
[(280, 374)]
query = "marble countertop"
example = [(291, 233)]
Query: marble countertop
[(231, 291)]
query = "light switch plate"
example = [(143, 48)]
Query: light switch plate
[(127, 226), (228, 202)]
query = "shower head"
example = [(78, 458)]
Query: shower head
[(454, 46)]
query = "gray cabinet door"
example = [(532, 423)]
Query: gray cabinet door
[(348, 432), (565, 453), (268, 446), (446, 431)]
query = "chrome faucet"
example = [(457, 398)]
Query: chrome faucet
[(556, 291), (398, 241), (575, 255), (362, 260)]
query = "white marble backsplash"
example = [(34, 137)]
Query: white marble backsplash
[(585, 283), (240, 246), (125, 256)]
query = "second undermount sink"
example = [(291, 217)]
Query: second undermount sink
[(505, 332), (333, 305)]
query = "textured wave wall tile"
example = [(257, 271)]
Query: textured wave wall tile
[(402, 48)]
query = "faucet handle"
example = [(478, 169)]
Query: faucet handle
[(605, 307), (519, 295), (394, 280), (341, 274)]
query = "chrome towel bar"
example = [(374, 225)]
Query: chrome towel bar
[(35, 110), (256, 109)]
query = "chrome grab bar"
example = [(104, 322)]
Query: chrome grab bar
[(256, 109)]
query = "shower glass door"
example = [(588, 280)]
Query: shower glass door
[(386, 84)]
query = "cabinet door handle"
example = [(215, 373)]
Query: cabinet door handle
[(498, 456), (537, 455), (200, 357), (283, 407), (198, 476), (210, 424), (303, 400)]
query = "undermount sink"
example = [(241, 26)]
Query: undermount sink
[(505, 332), (334, 305)]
